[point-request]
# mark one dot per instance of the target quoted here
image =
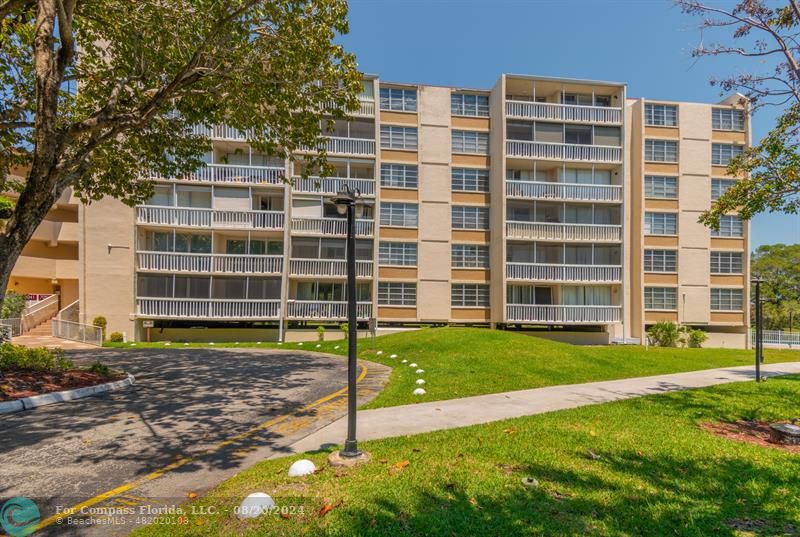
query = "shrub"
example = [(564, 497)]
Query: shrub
[(345, 329), (321, 333), (41, 359), (6, 207), (664, 334), (116, 337), (13, 304), (697, 337), (100, 369), (100, 322)]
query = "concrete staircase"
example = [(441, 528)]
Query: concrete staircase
[(44, 329)]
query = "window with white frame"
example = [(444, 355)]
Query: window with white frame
[(469, 256), (468, 104), (660, 115), (469, 295), (726, 299), (397, 253), (660, 261), (729, 226), (727, 119), (470, 217), (398, 214), (395, 137), (470, 142), (719, 187), (726, 262), (399, 175), (661, 150), (469, 180), (722, 154), (660, 223), (399, 99), (661, 187), (397, 294), (660, 298)]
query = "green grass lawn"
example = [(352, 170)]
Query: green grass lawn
[(460, 362), (658, 474)]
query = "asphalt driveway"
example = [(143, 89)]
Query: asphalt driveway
[(184, 404)]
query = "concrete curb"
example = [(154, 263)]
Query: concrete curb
[(28, 403)]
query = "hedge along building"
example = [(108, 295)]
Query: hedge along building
[(551, 204)]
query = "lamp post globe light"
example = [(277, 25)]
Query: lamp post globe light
[(350, 205)]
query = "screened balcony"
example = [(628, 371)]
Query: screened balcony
[(567, 304), (560, 314), (208, 218), (564, 273), (349, 137), (313, 310), (332, 185), (541, 220), (190, 308), (563, 112), (330, 226), (232, 173), (209, 263), (563, 142)]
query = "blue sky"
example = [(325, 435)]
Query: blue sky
[(645, 43)]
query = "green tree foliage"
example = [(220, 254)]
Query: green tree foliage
[(779, 266), (146, 72), (765, 39)]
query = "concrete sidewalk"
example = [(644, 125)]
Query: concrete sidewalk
[(437, 415)]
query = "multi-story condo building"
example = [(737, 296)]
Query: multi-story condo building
[(554, 204)]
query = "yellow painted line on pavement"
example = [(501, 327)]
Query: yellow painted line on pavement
[(185, 460)]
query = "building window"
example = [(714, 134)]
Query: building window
[(726, 262), (660, 298), (397, 253), (661, 150), (729, 226), (394, 137), (659, 186), (470, 256), (397, 294), (722, 154), (399, 175), (727, 119), (470, 142), (470, 217), (469, 295), (660, 223), (399, 99), (660, 261), (470, 180), (467, 104), (719, 187), (398, 214), (726, 299), (660, 115)]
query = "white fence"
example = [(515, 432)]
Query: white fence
[(332, 185), (328, 267), (84, 333), (187, 262), (563, 112), (556, 314), (204, 308), (227, 173), (347, 146), (563, 191), (565, 232), (330, 226), (13, 325), (194, 217), (313, 309), (556, 151), (565, 273), (779, 338)]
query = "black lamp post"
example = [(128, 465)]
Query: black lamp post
[(348, 203), (757, 281)]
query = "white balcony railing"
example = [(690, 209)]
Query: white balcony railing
[(563, 112), (313, 309), (563, 273), (556, 314), (563, 232), (230, 263), (330, 226), (347, 146), (221, 132), (571, 152), (563, 191), (192, 217), (366, 108), (328, 267), (227, 173), (204, 308), (332, 185)]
